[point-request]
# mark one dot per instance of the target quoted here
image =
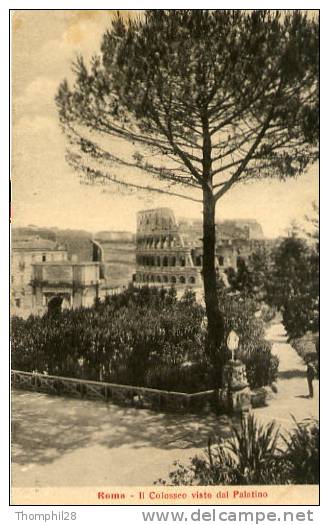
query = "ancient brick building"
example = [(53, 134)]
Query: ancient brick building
[(43, 274), (65, 284), (25, 251), (170, 251)]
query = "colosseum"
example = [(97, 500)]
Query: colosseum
[(169, 251)]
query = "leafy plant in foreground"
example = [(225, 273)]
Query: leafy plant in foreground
[(302, 454), (254, 455)]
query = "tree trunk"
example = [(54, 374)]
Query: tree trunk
[(214, 316)]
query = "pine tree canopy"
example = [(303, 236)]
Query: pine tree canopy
[(202, 99)]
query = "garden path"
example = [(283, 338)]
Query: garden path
[(67, 442), (292, 397)]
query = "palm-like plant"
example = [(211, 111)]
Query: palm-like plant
[(302, 453), (255, 451), (251, 455)]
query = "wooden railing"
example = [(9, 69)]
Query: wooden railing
[(127, 395)]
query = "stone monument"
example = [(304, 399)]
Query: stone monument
[(235, 393)]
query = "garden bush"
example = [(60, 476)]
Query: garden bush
[(267, 313), (143, 337), (307, 347), (239, 312), (254, 455), (293, 285)]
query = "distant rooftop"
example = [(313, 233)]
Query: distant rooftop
[(157, 210), (35, 243), (67, 263), (114, 236)]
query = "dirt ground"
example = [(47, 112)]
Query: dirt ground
[(68, 442)]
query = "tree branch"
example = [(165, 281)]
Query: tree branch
[(101, 176), (249, 155)]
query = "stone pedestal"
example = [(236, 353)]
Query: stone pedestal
[(235, 394)]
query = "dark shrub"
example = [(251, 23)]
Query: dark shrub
[(240, 315), (307, 347), (143, 337), (122, 340), (261, 365), (267, 313), (293, 285)]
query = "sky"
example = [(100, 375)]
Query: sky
[(47, 192)]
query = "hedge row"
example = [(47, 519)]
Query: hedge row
[(141, 337)]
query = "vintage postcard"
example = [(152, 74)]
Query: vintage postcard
[(165, 257)]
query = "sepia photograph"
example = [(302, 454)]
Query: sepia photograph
[(164, 257)]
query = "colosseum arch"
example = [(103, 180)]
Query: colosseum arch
[(173, 279), (165, 261), (182, 279)]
